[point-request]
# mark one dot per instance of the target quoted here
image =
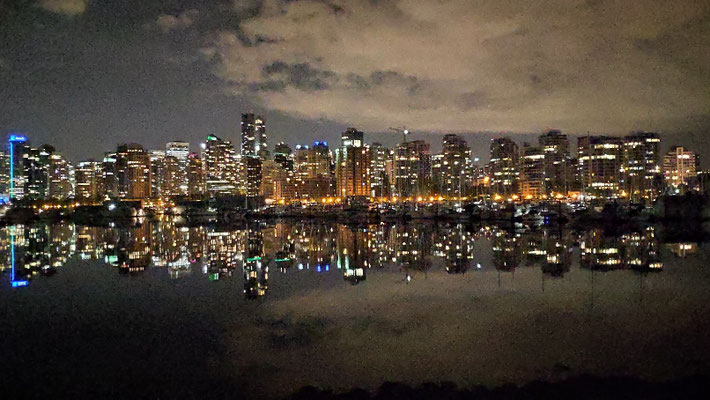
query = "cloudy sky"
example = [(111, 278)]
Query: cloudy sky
[(88, 74)]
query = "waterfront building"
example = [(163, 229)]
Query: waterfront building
[(36, 166), (61, 177), (600, 165), (195, 176), (181, 152), (379, 179), (352, 165), (680, 166), (641, 166), (171, 177), (313, 167), (133, 172), (504, 164), (557, 171), (451, 170), (220, 166), (18, 148), (532, 172), (109, 176), (412, 169), (157, 159), (88, 181)]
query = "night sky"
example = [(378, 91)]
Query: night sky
[(85, 75)]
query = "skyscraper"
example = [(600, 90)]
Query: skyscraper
[(641, 166), (220, 167), (532, 172), (600, 162), (412, 168), (133, 171), (88, 178), (181, 152), (254, 141), (195, 177), (555, 147), (352, 165), (351, 138), (452, 175), (18, 146), (379, 182), (61, 174), (313, 171), (504, 166)]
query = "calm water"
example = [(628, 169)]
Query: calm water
[(265, 309)]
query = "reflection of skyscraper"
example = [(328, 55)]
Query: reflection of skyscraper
[(506, 248), (456, 247), (256, 269), (353, 256)]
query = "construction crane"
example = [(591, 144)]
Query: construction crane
[(403, 130)]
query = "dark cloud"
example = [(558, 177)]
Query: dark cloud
[(300, 76), (91, 70)]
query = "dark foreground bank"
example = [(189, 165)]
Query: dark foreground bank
[(580, 387)]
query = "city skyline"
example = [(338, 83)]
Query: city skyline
[(97, 72)]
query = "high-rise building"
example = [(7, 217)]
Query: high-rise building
[(352, 171), (352, 165), (61, 175), (351, 138), (254, 141), (133, 171), (379, 181), (171, 177), (451, 171), (37, 164), (157, 159), (600, 165), (313, 168), (504, 167), (88, 181), (195, 176), (557, 172), (18, 147), (220, 167), (252, 175), (412, 168), (532, 172), (109, 176), (641, 166), (181, 152), (283, 156), (680, 166)]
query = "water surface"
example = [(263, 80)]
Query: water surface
[(264, 309)]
